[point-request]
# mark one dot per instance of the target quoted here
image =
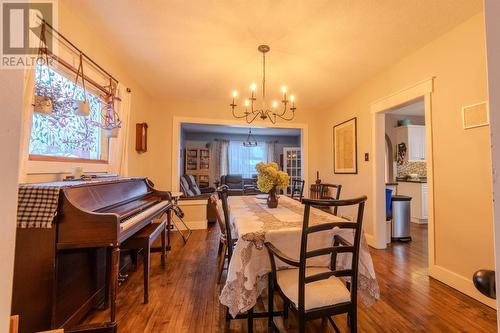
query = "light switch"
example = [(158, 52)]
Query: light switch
[(367, 157)]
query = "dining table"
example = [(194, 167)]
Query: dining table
[(253, 224)]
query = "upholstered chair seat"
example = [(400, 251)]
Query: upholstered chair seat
[(321, 293)]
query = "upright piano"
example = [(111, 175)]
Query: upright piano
[(64, 271)]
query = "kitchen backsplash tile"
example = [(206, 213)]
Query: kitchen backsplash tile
[(409, 167)]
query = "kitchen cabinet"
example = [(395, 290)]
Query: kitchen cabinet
[(425, 201), (413, 136), (419, 193)]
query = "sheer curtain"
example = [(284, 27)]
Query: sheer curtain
[(28, 96), (224, 157), (242, 160), (219, 159), (118, 150), (271, 148)]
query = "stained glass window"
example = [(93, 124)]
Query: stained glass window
[(63, 133)]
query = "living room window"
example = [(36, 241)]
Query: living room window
[(63, 135), (242, 160)]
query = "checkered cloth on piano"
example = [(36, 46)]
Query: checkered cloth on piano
[(37, 205)]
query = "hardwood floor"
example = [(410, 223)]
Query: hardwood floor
[(184, 296)]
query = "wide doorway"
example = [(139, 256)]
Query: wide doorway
[(210, 152), (406, 190)]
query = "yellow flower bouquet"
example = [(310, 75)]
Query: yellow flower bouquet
[(269, 179)]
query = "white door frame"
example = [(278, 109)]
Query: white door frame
[(378, 109), (492, 10), (176, 132)]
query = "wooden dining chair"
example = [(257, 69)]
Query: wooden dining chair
[(330, 192), (225, 251), (315, 292), (297, 189)]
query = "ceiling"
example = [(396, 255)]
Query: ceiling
[(320, 49), (413, 109), (200, 128)]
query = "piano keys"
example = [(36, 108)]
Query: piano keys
[(70, 267), (132, 220)]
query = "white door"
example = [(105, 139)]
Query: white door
[(292, 164)]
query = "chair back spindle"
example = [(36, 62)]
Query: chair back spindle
[(223, 194)]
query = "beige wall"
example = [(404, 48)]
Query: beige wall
[(156, 163), (462, 169), (160, 119), (457, 60), (78, 30), (108, 55)]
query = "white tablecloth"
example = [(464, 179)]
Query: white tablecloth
[(254, 223)]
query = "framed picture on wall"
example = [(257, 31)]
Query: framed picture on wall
[(345, 152)]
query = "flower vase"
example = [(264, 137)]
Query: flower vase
[(272, 199)]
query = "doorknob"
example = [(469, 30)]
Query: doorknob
[(484, 281)]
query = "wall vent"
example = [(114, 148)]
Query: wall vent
[(475, 115)]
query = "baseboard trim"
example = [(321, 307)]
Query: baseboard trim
[(419, 221), (194, 225), (370, 239), (192, 202), (460, 283)]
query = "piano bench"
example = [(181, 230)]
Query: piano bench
[(144, 239)]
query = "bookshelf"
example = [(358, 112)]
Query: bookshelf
[(197, 164)]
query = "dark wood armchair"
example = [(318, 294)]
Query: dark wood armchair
[(330, 192), (316, 292)]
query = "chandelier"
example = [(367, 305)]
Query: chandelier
[(250, 141), (265, 110)]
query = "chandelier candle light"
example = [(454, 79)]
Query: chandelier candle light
[(266, 111)]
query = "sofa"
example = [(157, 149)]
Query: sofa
[(237, 185), (234, 184)]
